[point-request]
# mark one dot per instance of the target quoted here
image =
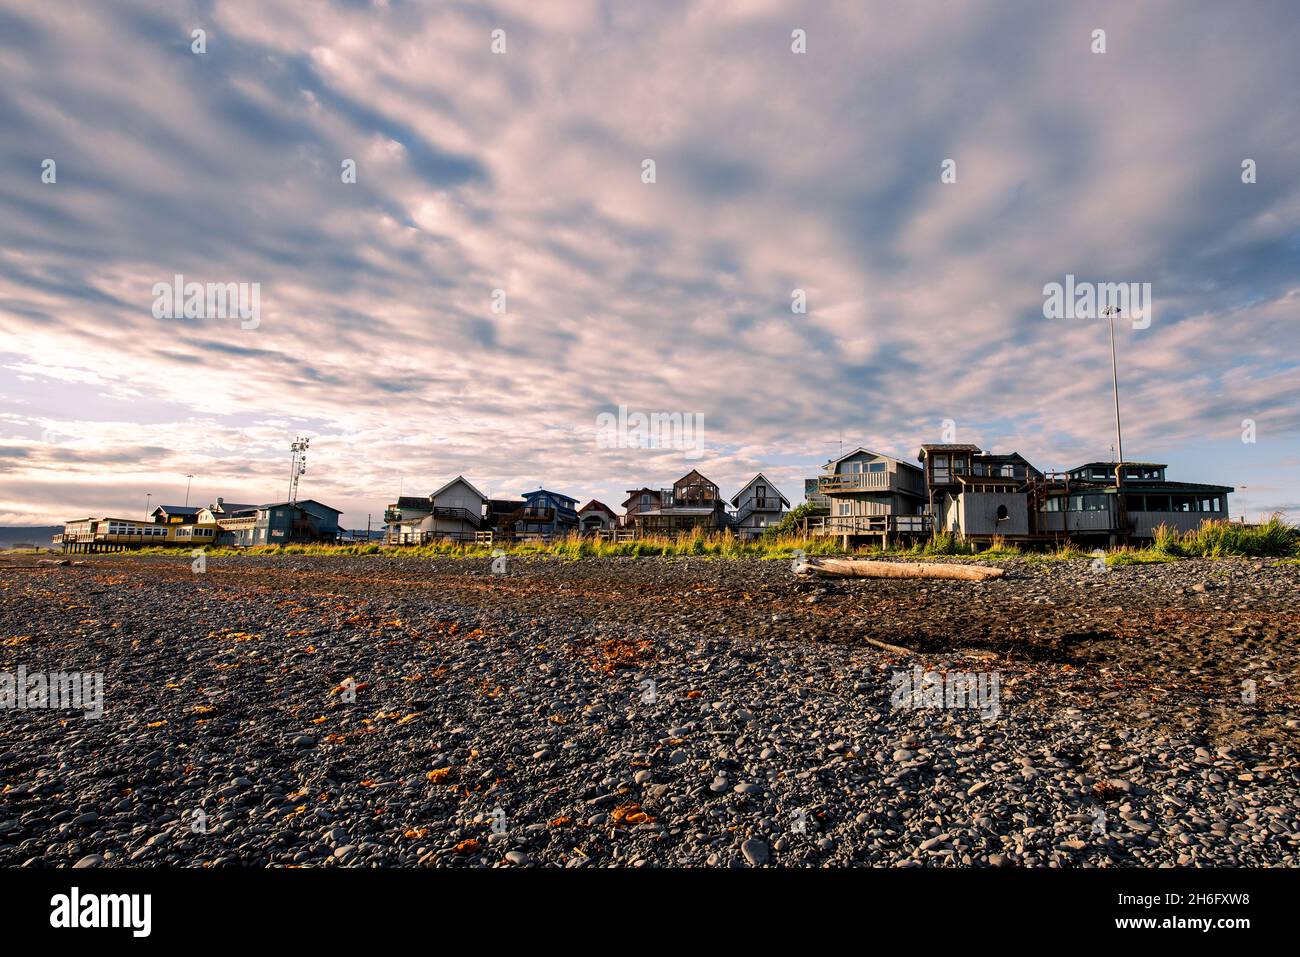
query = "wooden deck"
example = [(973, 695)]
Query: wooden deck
[(877, 525)]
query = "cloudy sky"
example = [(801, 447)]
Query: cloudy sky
[(522, 171)]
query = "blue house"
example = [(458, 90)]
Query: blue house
[(546, 513)]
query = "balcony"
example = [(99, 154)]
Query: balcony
[(868, 482), (457, 515), (691, 496), (870, 525), (767, 505)]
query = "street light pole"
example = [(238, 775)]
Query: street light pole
[(188, 479), (1112, 312), (148, 500)]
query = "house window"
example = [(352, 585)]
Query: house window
[(939, 471), (845, 508), (876, 467), (1088, 503), (1002, 513), (958, 466)]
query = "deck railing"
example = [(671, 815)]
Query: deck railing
[(769, 505), (866, 481), (869, 525)]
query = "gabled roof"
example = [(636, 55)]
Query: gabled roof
[(463, 480), (300, 503), (735, 498), (177, 509), (596, 506), (554, 495), (861, 450), (698, 474), (634, 494)]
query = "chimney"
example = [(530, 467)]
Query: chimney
[(219, 501)]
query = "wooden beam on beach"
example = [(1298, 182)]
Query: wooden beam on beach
[(868, 568)]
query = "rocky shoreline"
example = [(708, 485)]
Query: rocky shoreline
[(375, 711)]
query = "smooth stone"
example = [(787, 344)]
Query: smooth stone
[(755, 851)]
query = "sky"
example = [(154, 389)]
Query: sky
[(502, 272)]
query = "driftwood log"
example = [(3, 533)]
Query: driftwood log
[(869, 568)]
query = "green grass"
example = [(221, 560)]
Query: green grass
[(1138, 556), (700, 544), (1271, 539)]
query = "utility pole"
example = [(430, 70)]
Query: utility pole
[(188, 479), (148, 500)]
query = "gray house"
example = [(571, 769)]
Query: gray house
[(870, 494), (979, 496), (281, 523), (1115, 502)]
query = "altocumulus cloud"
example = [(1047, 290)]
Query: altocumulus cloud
[(521, 172)]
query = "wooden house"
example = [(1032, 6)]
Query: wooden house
[(596, 516), (545, 513), (281, 523), (113, 534), (979, 496), (984, 496), (639, 500), (1112, 503), (692, 503), (175, 514), (759, 504), (870, 494)]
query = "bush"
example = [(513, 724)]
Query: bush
[(792, 522)]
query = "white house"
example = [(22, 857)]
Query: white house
[(758, 504), (453, 512)]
